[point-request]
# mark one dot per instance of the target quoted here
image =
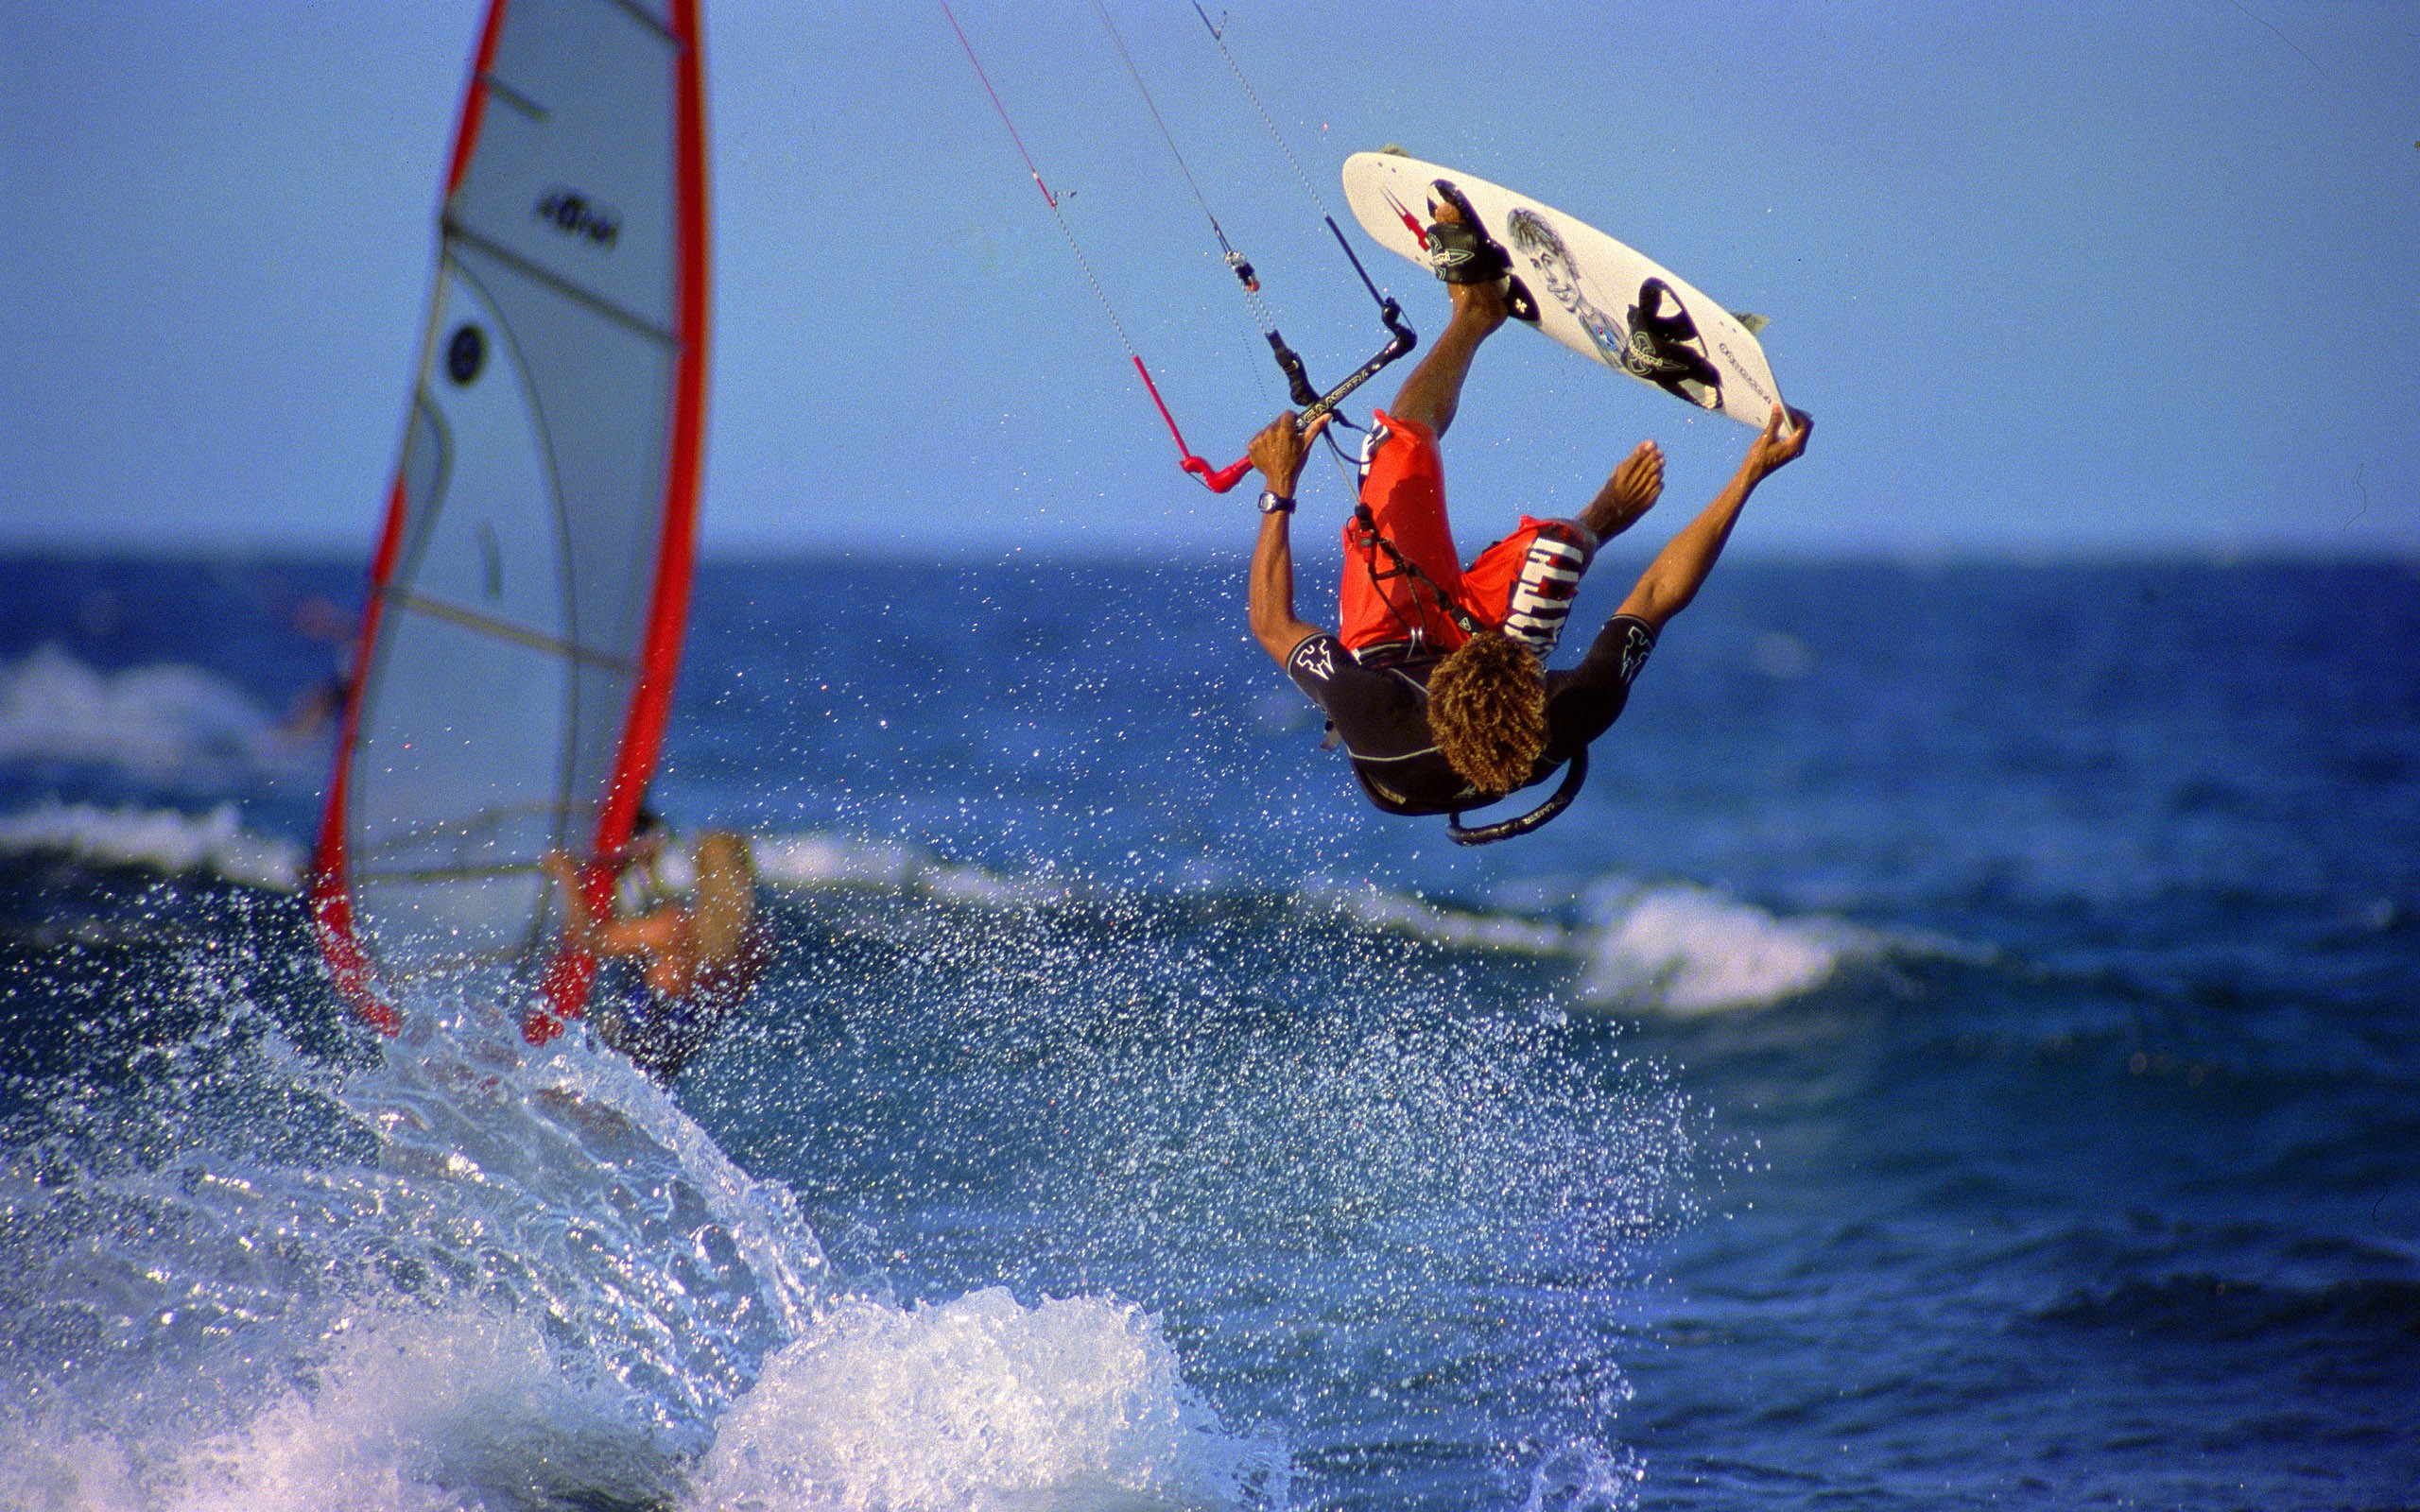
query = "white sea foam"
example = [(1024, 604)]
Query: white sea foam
[(978, 1402), (159, 721), (833, 860), (1405, 913), (400, 1413), (973, 1403), (846, 861), (1670, 946), (1584, 1477), (550, 1288), (163, 840), (1686, 949)]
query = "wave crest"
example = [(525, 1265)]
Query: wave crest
[(1687, 949), (1077, 1401), (168, 720), (163, 840)]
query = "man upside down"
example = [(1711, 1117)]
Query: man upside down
[(1436, 679)]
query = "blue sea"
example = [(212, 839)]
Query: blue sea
[(1962, 1050)]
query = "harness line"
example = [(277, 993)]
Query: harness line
[(1219, 480), (1400, 336), (1344, 467), (1404, 566), (1244, 274), (1304, 179)]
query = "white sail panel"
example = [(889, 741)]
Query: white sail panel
[(574, 174), (457, 772)]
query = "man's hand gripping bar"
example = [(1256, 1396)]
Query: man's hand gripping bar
[(1401, 339)]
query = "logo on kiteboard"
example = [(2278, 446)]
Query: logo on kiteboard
[(573, 213), (1655, 344)]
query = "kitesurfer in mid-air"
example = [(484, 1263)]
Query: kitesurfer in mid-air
[(699, 959), (1436, 680)]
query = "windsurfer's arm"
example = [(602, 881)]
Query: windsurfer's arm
[(580, 921), (1680, 569), (649, 933), (652, 934), (1278, 451)]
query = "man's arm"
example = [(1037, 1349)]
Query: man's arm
[(579, 922), (1278, 451), (655, 933), (1680, 569), (649, 933)]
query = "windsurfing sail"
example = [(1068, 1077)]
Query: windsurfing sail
[(530, 591)]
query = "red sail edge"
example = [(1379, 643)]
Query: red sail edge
[(563, 992)]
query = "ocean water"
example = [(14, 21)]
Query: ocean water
[(1962, 1050)]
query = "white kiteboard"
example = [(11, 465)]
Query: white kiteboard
[(1591, 293)]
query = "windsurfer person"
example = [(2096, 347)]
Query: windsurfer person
[(316, 618), (1436, 682), (699, 959)]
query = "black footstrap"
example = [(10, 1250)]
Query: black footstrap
[(1576, 774), (1465, 254)]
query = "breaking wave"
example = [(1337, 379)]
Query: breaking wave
[(165, 840), (167, 721)]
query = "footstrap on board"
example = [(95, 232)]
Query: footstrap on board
[(1573, 777)]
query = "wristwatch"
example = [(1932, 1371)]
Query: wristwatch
[(1273, 502)]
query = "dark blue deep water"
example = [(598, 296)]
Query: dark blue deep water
[(1962, 1050)]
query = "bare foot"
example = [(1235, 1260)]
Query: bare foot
[(1633, 489)]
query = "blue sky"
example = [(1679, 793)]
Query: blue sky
[(2055, 280)]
